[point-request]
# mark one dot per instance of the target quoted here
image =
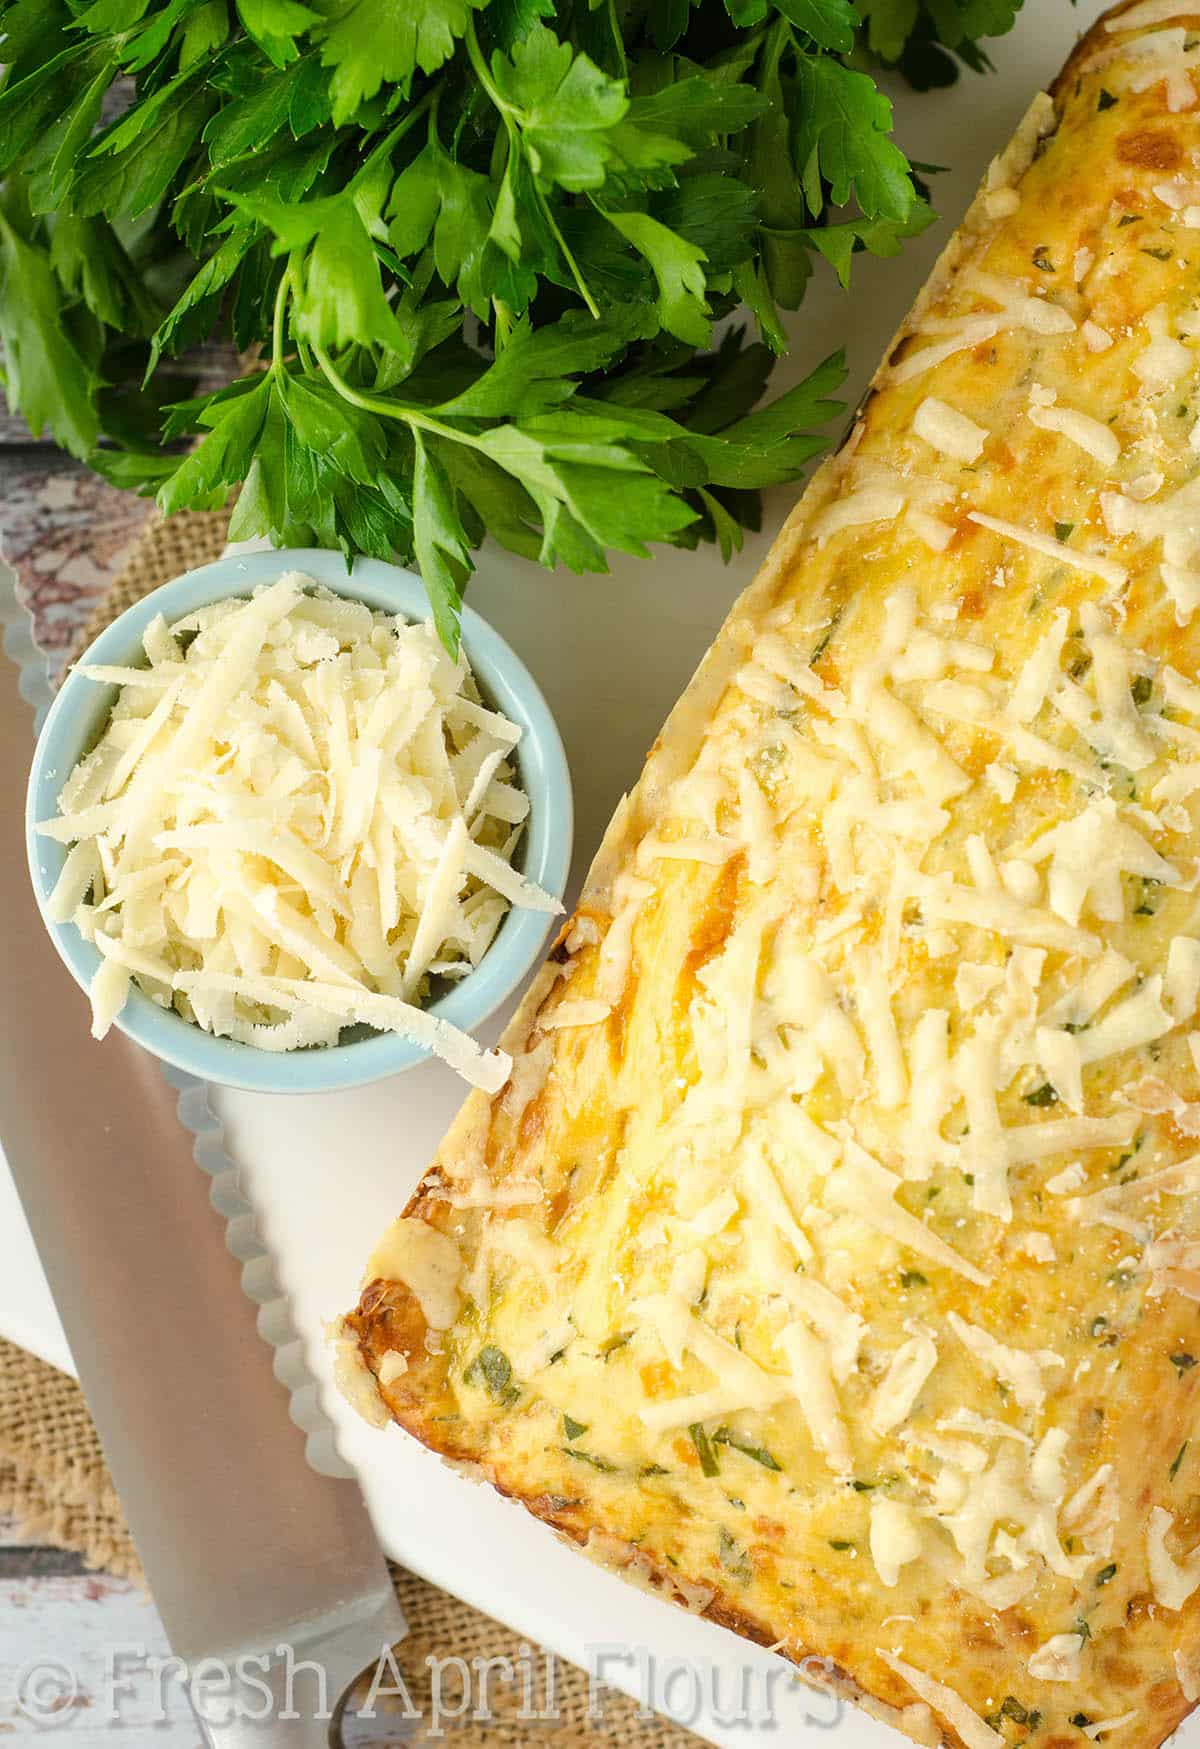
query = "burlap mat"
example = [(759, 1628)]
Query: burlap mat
[(165, 547), (55, 1484)]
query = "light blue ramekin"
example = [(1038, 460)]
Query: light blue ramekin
[(77, 718)]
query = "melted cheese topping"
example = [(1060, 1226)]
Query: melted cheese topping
[(427, 1262), (874, 1197)]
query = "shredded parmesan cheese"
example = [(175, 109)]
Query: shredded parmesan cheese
[(895, 1537), (1164, 360), (298, 822), (1084, 432), (948, 431), (1102, 1727), (1172, 1581), (1013, 1366), (856, 509), (1108, 569), (972, 331), (900, 1386), (950, 1706), (1058, 1660)]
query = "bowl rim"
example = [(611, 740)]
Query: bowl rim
[(541, 760)]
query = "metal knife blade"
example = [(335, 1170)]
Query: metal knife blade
[(246, 1548)]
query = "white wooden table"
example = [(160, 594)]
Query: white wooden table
[(76, 1652)]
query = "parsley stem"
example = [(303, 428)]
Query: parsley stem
[(580, 283), (501, 147), (408, 415), (512, 124), (480, 68), (778, 37), (281, 297), (380, 151), (618, 39)]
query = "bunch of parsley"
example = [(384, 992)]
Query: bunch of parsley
[(475, 250)]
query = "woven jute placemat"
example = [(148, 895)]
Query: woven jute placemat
[(54, 1481)]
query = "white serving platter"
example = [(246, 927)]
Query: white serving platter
[(326, 1173)]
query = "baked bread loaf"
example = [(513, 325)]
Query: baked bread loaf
[(832, 1257)]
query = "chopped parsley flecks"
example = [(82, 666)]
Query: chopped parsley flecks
[(758, 1453), (1043, 1095), (1012, 1708), (1151, 897), (491, 1370), (709, 1465), (587, 1457), (733, 1557), (824, 640)]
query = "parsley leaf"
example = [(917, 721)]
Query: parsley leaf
[(340, 300), (369, 43), (440, 541), (47, 377), (205, 29), (698, 1434), (274, 25), (830, 23), (129, 167), (439, 199), (492, 1371), (841, 137), (234, 427), (564, 105), (677, 266), (885, 237)]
